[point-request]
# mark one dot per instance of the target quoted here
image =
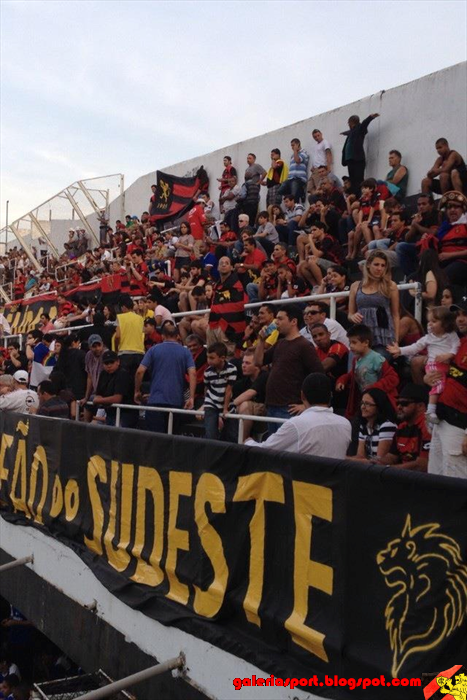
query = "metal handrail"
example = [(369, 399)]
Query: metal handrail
[(241, 417)]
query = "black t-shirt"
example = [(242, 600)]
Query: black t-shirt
[(258, 384), (10, 368), (118, 382)]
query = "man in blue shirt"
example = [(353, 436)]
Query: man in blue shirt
[(169, 363), (296, 181)]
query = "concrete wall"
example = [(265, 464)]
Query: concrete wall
[(412, 117)]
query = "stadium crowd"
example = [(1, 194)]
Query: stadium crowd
[(400, 382)]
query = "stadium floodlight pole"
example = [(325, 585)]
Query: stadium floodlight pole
[(113, 688), (16, 562)]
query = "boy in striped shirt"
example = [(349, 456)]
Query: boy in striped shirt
[(219, 378)]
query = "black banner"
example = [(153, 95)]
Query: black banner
[(174, 195), (301, 566)]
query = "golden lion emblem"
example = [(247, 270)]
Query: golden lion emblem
[(458, 691), (426, 569), (165, 190)]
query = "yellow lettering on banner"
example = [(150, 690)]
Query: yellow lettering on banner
[(210, 489), (259, 487), (39, 459), (57, 498), (150, 482), (118, 556), (7, 441), (96, 469), (180, 484), (309, 500), (71, 498), (19, 475)]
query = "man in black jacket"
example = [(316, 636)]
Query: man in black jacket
[(353, 154)]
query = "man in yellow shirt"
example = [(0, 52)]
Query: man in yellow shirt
[(129, 341)]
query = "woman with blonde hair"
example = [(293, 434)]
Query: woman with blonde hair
[(375, 301)]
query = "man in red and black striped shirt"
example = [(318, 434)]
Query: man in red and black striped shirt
[(227, 318), (411, 442)]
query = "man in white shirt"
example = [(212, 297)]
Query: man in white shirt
[(315, 312), (15, 395), (318, 431)]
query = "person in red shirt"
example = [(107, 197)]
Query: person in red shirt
[(252, 260), (225, 243), (448, 453), (279, 256), (137, 273), (197, 220)]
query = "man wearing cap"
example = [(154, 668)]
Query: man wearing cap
[(411, 442), (448, 453), (93, 365), (114, 386), (18, 398), (452, 238)]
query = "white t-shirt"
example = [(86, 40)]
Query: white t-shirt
[(162, 311), (20, 401), (334, 327), (318, 153)]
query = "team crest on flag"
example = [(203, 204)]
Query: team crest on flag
[(428, 577), (449, 685), (174, 195)]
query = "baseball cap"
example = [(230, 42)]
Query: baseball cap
[(461, 304), (94, 338), (416, 392), (109, 356), (21, 376)]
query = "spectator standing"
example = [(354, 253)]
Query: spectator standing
[(228, 172), (452, 238), (410, 446), (321, 156), (276, 176), (375, 301), (317, 431), (114, 386), (169, 363), (227, 315), (253, 176), (219, 378), (93, 366), (292, 358), (448, 453), (369, 370), (195, 345), (129, 336), (183, 249), (228, 203), (197, 221), (353, 153), (38, 351), (295, 184), (449, 171)]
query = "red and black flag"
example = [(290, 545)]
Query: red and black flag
[(455, 679), (174, 195)]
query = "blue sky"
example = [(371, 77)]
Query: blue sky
[(90, 88)]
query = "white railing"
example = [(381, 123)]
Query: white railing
[(241, 417)]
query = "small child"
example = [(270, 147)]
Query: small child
[(219, 377), (368, 218), (441, 343), (369, 369)]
